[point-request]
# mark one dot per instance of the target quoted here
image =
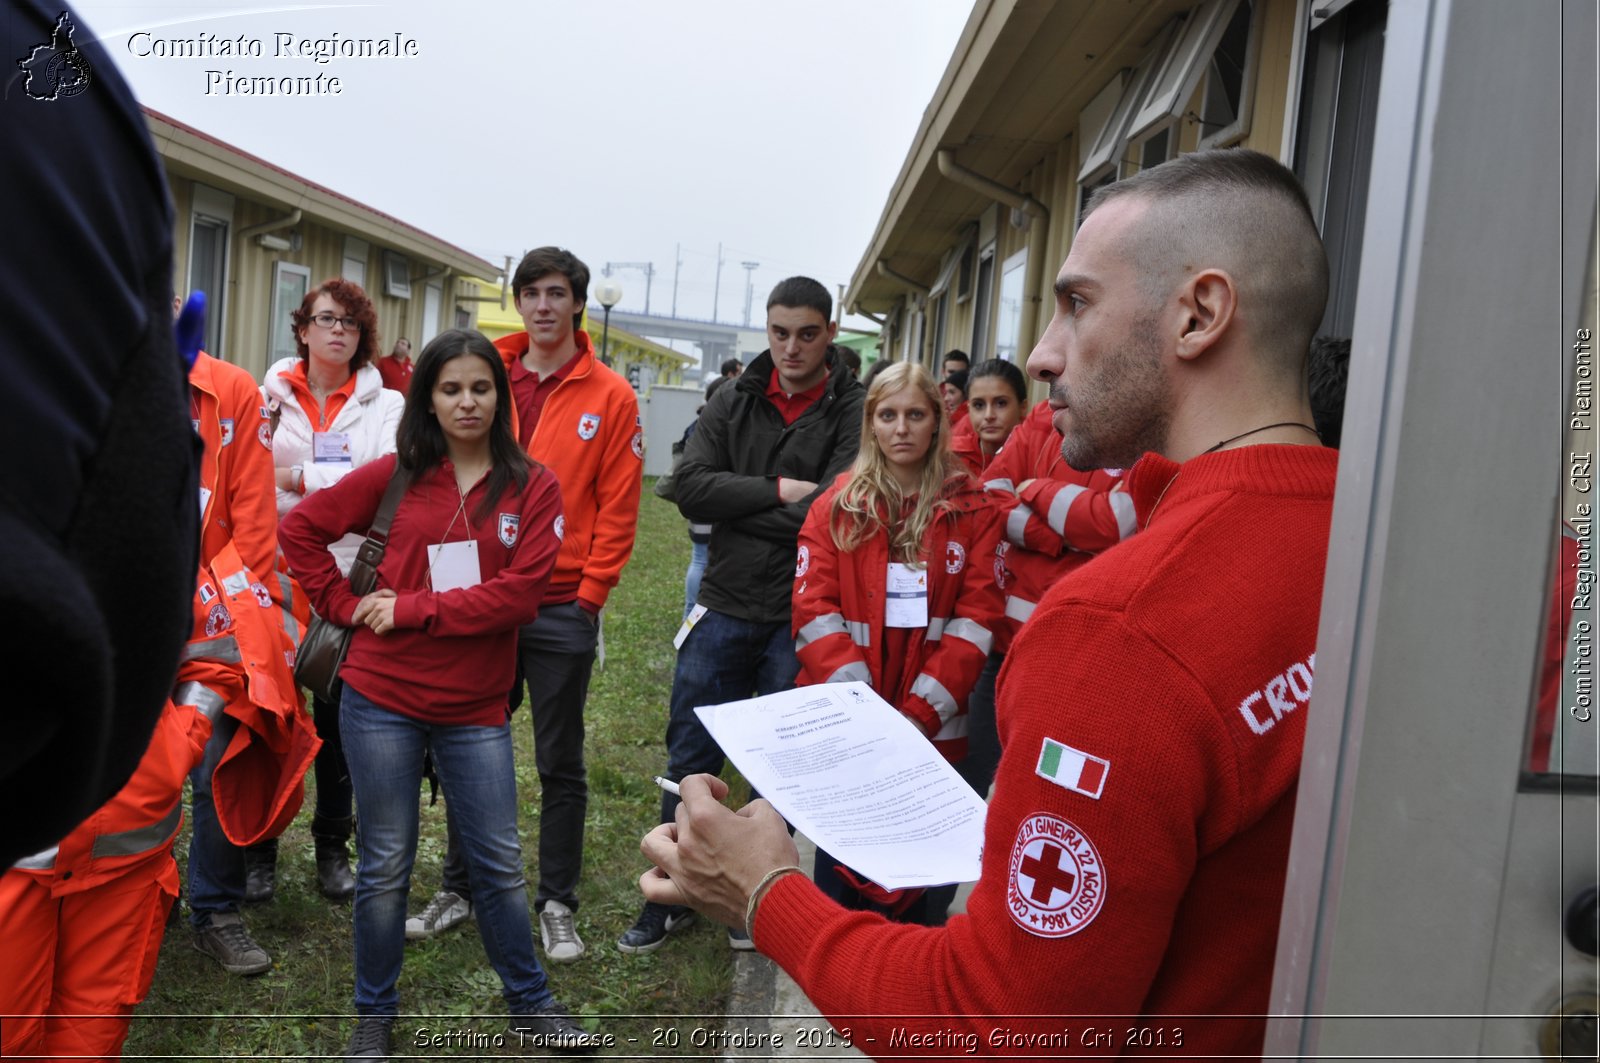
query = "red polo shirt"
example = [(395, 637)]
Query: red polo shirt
[(790, 407), (530, 393)]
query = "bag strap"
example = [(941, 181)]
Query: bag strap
[(364, 571)]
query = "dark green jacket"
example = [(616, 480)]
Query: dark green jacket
[(729, 477)]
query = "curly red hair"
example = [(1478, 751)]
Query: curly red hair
[(349, 295)]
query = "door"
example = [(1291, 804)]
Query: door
[(1432, 873)]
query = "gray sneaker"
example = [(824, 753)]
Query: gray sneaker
[(226, 940), (561, 941), (444, 911)]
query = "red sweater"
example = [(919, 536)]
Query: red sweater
[(1063, 518), (839, 609), (452, 655), (1154, 889)]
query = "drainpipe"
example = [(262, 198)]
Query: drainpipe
[(292, 218), (884, 270), (1038, 233)]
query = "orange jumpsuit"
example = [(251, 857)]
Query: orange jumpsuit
[(82, 922)]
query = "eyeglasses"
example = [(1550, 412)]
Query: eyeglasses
[(327, 321)]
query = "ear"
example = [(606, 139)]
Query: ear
[(833, 330), (1208, 301)]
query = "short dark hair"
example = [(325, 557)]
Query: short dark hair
[(851, 358), (732, 365), (1329, 372), (802, 292), (1247, 210), (543, 261), (420, 443), (349, 295), (955, 354), (957, 380), (999, 367)]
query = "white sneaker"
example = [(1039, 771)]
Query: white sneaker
[(561, 941), (444, 911)]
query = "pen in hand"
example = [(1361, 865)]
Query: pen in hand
[(668, 785)]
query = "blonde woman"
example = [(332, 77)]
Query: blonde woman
[(894, 583)]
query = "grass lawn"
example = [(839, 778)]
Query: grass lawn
[(300, 1008)]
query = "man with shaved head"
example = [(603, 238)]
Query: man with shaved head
[(1152, 710)]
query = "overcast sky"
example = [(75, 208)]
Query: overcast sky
[(617, 128)]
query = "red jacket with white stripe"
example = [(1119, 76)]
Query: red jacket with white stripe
[(1063, 517), (838, 613)]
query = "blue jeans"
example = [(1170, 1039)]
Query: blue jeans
[(699, 554), (216, 865), (723, 659), (558, 651), (384, 750)]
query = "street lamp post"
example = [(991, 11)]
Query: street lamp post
[(609, 292)]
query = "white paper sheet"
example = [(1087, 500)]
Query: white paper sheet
[(858, 779)]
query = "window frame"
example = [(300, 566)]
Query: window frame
[(278, 317), (396, 275)]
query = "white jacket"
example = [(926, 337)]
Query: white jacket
[(371, 417)]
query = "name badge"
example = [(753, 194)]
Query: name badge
[(688, 625), (453, 565), (331, 448), (205, 497), (905, 601)]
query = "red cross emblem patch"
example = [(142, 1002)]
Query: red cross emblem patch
[(588, 425), (955, 557), (510, 525), (1056, 883)]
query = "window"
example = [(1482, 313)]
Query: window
[(210, 222), (1185, 64), (432, 299), (1225, 101), (289, 286), (1008, 324), (982, 308), (1334, 142), (463, 318), (354, 266), (396, 275), (1157, 149), (1111, 142)]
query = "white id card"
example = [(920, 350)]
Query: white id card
[(205, 497), (330, 448), (688, 625), (452, 565), (905, 600)]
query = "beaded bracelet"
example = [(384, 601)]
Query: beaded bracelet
[(761, 888)]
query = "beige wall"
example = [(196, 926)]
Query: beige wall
[(246, 327)]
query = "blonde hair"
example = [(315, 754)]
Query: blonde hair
[(872, 499)]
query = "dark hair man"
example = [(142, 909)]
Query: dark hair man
[(1137, 838), (396, 366), (955, 360), (581, 420), (1329, 363), (731, 368), (764, 448)]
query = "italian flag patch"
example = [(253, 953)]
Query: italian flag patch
[(1073, 768)]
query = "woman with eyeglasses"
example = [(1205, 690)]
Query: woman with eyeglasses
[(894, 585), (330, 415)]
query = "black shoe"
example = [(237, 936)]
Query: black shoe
[(260, 879), (653, 926), (372, 1039), (553, 1027), (333, 869)]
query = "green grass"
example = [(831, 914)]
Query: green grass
[(300, 1008)]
